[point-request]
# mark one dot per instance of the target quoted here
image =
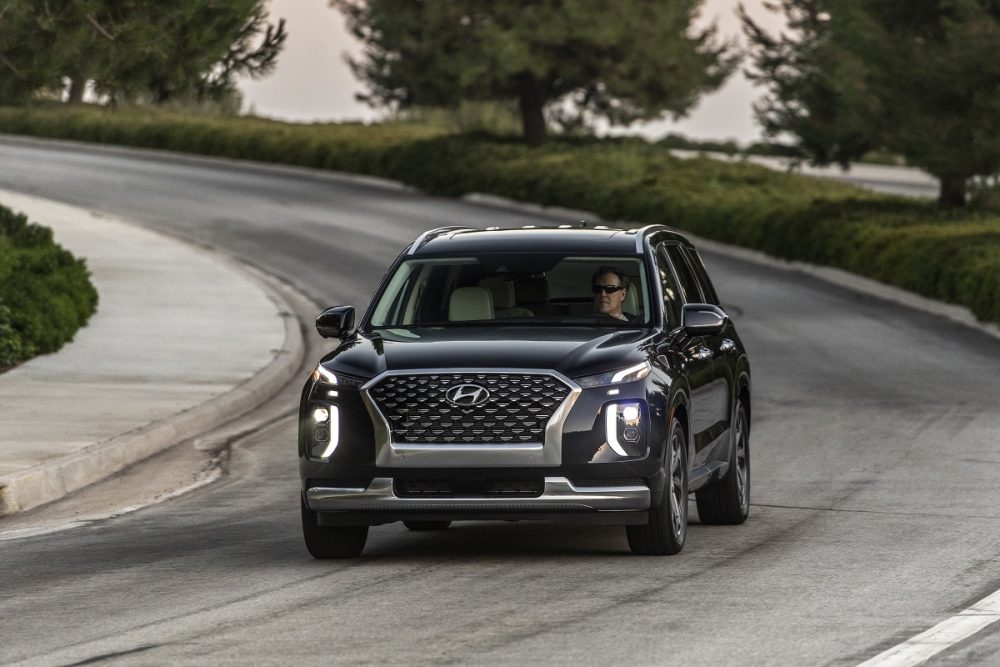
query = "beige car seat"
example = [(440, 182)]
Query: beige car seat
[(470, 303), (503, 298)]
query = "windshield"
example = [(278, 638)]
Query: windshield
[(528, 288)]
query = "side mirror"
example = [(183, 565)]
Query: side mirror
[(703, 319), (335, 322)]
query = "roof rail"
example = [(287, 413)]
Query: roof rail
[(640, 234), (430, 234)]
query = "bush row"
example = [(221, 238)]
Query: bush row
[(952, 256), (45, 292)]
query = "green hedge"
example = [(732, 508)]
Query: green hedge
[(952, 256), (45, 292)]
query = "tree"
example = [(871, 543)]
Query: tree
[(621, 60), (920, 78), (136, 49), (28, 47), (167, 50)]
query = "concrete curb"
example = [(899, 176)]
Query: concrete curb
[(58, 478), (839, 277)]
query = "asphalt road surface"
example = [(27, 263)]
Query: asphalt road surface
[(875, 455)]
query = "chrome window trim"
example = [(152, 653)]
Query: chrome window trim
[(389, 454)]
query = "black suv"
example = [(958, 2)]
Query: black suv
[(583, 375)]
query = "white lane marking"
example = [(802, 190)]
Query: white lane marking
[(35, 531), (945, 634)]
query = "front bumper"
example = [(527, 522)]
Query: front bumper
[(560, 500)]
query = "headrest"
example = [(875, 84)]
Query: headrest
[(631, 303), (470, 303), (502, 291), (532, 290)]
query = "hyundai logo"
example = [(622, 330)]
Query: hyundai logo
[(467, 395)]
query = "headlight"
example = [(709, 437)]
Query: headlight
[(321, 374), (324, 376), (630, 374)]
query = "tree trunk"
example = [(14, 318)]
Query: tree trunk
[(532, 103), (76, 87), (953, 191)]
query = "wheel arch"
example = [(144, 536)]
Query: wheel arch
[(679, 409), (743, 393)]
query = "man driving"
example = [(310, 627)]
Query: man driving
[(610, 286)]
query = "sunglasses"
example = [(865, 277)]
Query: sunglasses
[(607, 289)]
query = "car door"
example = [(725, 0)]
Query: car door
[(723, 349), (697, 358), (670, 311)]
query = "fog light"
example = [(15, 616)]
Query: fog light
[(622, 427), (630, 413), (326, 431)]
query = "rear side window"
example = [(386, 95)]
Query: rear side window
[(701, 275), (672, 298), (688, 284)]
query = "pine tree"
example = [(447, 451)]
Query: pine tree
[(135, 49), (622, 60), (920, 78)]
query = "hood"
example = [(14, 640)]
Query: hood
[(573, 351)]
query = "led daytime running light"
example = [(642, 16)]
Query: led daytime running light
[(320, 374), (630, 374)]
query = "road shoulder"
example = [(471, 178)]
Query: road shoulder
[(184, 339)]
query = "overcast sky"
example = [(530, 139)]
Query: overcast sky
[(312, 83)]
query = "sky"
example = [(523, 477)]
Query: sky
[(313, 83)]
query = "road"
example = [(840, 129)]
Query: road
[(894, 180), (875, 457)]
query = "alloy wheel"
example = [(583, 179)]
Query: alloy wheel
[(678, 490), (742, 463)]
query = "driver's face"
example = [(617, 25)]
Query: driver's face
[(609, 304)]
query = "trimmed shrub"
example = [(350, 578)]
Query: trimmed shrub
[(951, 256), (45, 292)]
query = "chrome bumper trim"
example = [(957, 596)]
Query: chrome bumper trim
[(559, 494)]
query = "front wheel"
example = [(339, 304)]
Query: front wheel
[(727, 502), (665, 531), (331, 541)]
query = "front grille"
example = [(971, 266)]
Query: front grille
[(517, 410), (469, 488)]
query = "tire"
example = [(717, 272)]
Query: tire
[(332, 541), (665, 531), (727, 502), (426, 525)]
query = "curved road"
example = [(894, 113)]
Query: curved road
[(876, 503)]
